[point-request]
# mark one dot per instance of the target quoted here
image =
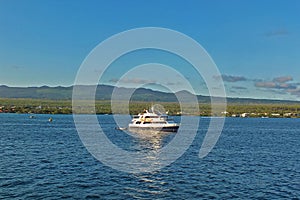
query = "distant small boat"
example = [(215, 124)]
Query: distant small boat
[(50, 119), (31, 116)]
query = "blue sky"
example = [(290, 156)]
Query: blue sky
[(255, 44)]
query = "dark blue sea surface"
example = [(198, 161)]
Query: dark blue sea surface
[(253, 159)]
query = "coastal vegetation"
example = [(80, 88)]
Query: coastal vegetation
[(45, 106)]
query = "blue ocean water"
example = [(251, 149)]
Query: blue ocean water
[(253, 159)]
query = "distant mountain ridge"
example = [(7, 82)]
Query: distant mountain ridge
[(104, 92)]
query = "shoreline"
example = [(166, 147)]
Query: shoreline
[(37, 114), (103, 107)]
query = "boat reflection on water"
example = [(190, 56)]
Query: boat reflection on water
[(150, 143), (150, 184), (148, 146), (152, 139)]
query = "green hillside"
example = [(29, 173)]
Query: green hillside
[(104, 92)]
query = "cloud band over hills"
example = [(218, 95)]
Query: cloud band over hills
[(284, 85)]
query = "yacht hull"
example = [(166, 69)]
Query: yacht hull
[(173, 128)]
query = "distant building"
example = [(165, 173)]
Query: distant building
[(275, 115), (245, 115), (288, 114)]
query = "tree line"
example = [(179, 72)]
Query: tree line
[(44, 106)]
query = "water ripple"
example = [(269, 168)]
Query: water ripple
[(253, 159)]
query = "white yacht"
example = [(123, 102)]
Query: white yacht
[(152, 121)]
